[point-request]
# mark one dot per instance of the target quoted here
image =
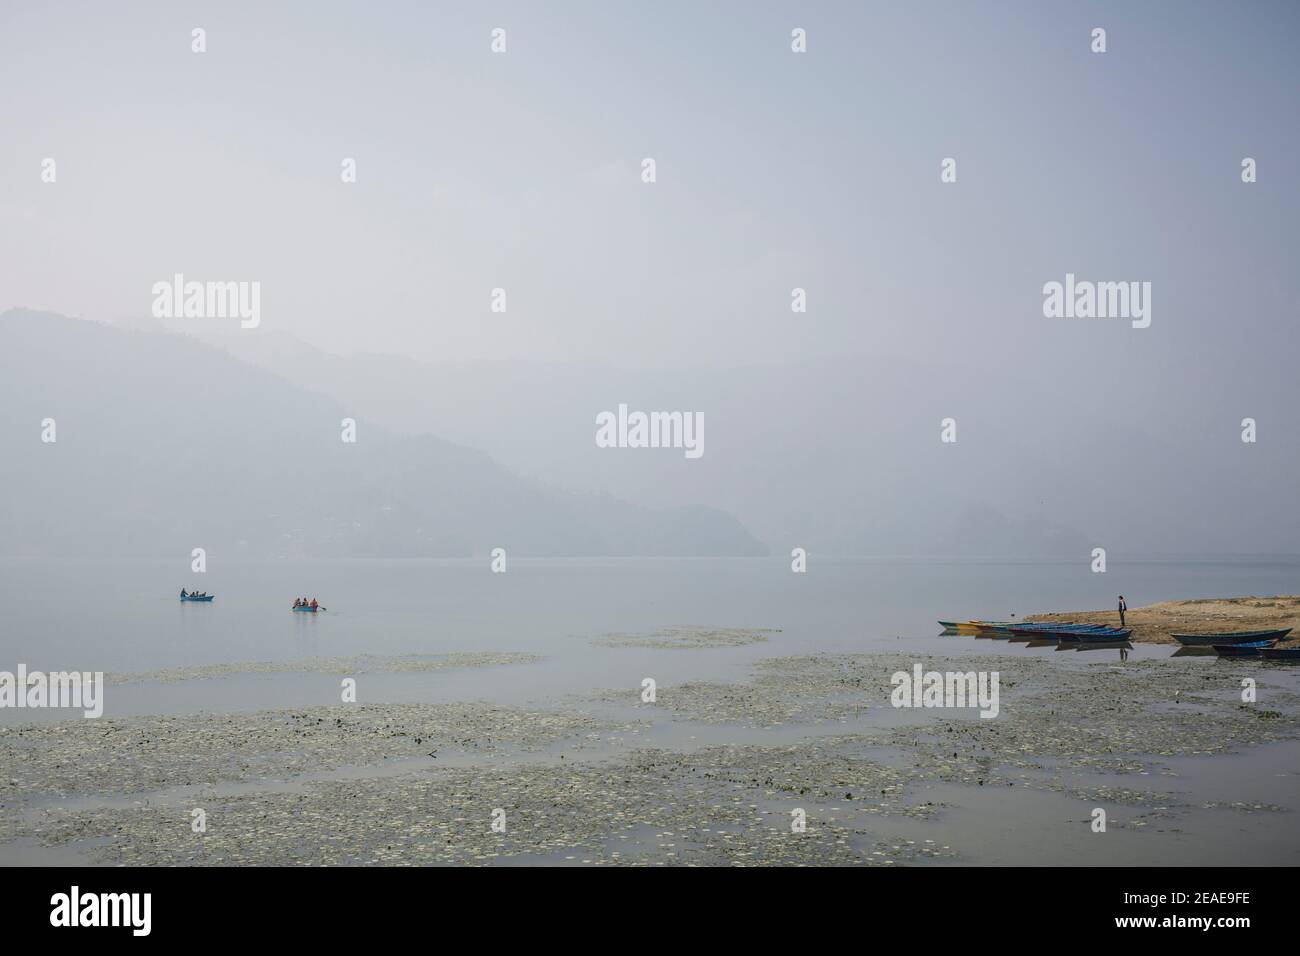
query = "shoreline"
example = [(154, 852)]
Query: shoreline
[(1155, 623)]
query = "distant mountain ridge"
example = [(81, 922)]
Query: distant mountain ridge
[(843, 455), (165, 443), (788, 471)]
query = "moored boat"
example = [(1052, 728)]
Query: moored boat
[(1231, 637), (1280, 653), (1032, 632), (1065, 632), (1104, 635), (1046, 627)]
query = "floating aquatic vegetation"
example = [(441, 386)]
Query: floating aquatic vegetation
[(1252, 806), (689, 637), (1096, 711), (1111, 796), (783, 690), (655, 808), (329, 785), (133, 754)]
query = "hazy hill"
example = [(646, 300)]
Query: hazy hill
[(1136, 453), (165, 443)]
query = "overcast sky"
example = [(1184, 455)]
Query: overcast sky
[(521, 170)]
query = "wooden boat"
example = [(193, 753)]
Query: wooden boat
[(308, 608), (1246, 649), (1079, 632), (1050, 627), (1033, 632), (1231, 637), (1280, 653), (197, 597), (1106, 635)]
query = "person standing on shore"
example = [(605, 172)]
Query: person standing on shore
[(1122, 608)]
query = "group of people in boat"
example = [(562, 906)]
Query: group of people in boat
[(298, 601)]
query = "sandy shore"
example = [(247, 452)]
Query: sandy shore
[(1156, 622)]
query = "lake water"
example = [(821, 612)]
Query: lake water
[(125, 616)]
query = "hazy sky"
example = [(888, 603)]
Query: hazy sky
[(775, 170)]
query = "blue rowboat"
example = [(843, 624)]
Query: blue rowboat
[(1070, 632), (1032, 632), (1231, 637), (1097, 634), (1280, 653), (1039, 627), (998, 630), (309, 609), (1105, 634), (1028, 629), (197, 597), (1245, 649)]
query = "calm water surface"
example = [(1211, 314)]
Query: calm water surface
[(126, 617)]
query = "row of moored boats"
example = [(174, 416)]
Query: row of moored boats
[(1065, 631), (1225, 644)]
